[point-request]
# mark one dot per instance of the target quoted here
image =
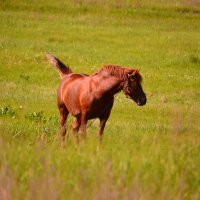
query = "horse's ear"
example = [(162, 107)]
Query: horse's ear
[(134, 74)]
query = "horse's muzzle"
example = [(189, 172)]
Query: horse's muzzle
[(142, 101)]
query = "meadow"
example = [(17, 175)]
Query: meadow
[(150, 152)]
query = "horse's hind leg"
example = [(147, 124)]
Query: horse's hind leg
[(83, 125), (75, 128), (63, 120)]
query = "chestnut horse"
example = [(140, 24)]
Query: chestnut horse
[(91, 96)]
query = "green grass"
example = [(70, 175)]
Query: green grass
[(149, 152)]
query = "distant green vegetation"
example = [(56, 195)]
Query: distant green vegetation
[(149, 152)]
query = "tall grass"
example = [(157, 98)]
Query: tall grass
[(147, 153)]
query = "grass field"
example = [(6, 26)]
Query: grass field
[(148, 153)]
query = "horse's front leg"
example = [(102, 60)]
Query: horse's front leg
[(83, 125), (101, 129)]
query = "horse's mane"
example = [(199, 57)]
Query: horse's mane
[(121, 72)]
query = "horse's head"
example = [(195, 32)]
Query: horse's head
[(133, 88)]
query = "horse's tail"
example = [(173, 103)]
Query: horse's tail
[(63, 69)]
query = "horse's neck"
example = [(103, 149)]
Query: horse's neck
[(119, 78), (109, 85)]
